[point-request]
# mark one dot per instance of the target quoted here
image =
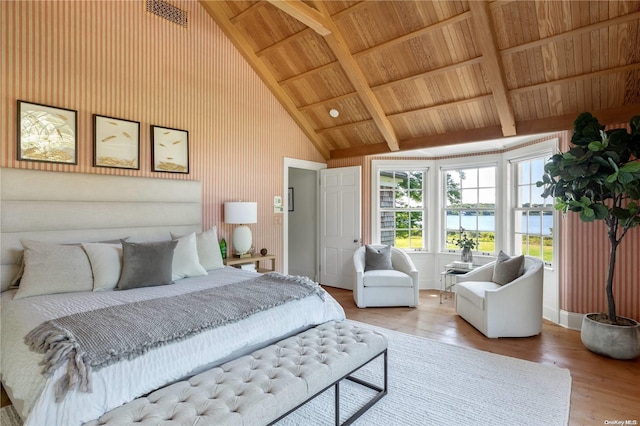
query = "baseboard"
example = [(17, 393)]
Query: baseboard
[(571, 320)]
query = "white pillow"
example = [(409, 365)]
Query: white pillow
[(53, 268), (106, 264), (208, 249), (185, 258)]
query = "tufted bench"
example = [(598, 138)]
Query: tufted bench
[(265, 386)]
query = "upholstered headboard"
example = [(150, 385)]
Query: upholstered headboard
[(76, 207)]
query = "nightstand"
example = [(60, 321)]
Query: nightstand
[(449, 278), (255, 259)]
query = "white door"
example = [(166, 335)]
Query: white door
[(340, 224)]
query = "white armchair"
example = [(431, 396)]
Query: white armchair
[(510, 310), (397, 287)]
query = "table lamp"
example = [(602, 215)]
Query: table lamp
[(241, 213)]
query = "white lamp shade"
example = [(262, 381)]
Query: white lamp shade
[(241, 212)]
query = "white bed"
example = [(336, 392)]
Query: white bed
[(83, 219)]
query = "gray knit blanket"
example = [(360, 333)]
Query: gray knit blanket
[(95, 339)]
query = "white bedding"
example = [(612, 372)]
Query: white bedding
[(32, 394)]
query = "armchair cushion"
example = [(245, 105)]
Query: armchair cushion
[(475, 293), (507, 268), (377, 258), (384, 278)]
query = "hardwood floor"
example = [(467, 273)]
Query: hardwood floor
[(603, 390)]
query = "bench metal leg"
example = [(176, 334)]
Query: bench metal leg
[(382, 391)]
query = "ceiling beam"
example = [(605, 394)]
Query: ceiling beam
[(281, 43), (492, 65), (565, 122), (338, 45), (567, 35), (575, 78), (216, 11), (532, 127), (429, 74), (415, 34), (248, 11), (333, 100), (307, 15), (313, 71)]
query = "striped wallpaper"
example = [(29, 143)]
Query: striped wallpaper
[(583, 249), (585, 262), (116, 59)]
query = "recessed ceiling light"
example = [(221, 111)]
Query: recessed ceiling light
[(334, 112)]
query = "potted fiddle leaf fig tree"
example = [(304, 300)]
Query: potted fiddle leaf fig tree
[(599, 179)]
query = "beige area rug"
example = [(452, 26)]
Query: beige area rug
[(433, 383)]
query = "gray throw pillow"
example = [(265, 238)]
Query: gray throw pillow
[(146, 264), (377, 258), (507, 268)]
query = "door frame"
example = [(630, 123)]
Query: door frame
[(295, 164)]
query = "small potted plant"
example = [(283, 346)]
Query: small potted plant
[(599, 179), (466, 244)]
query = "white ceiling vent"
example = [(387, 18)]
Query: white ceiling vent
[(167, 11)]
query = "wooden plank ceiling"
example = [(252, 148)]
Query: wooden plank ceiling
[(414, 74)]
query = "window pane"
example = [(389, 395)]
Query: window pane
[(470, 197), (453, 196), (547, 249), (536, 196), (415, 199), (533, 218), (469, 220), (401, 207), (537, 170), (450, 235), (487, 176), (386, 220), (487, 222), (487, 242), (469, 178), (487, 197), (402, 220), (401, 198), (415, 181), (416, 220), (547, 223), (476, 190), (386, 198), (452, 220), (534, 223), (416, 239), (402, 239)]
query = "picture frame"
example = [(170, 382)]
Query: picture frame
[(116, 142), (169, 150), (47, 133), (290, 199)]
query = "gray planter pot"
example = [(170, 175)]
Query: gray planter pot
[(614, 341)]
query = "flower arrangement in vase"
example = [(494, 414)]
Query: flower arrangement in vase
[(466, 244)]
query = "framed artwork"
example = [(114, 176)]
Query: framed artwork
[(116, 143), (170, 150), (290, 199), (47, 133)]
